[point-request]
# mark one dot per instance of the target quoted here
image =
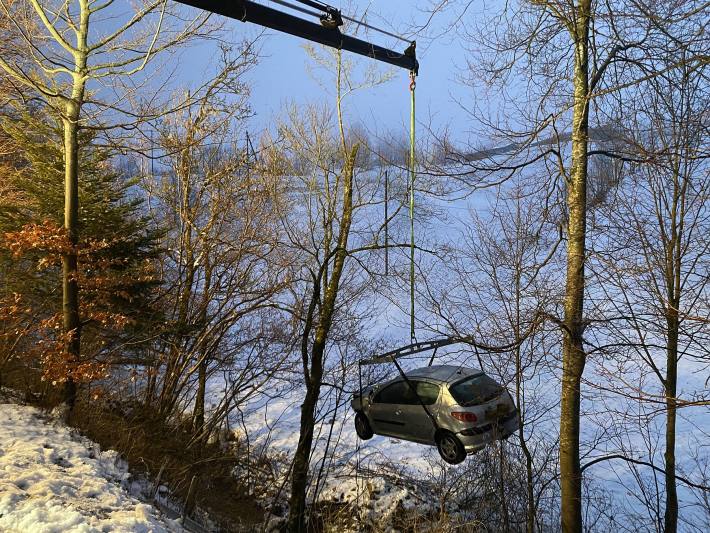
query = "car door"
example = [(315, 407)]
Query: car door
[(397, 411), (385, 410), (417, 423)]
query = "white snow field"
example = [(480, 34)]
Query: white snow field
[(54, 481)]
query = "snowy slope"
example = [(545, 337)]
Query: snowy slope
[(53, 481)]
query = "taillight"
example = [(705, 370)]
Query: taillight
[(464, 416)]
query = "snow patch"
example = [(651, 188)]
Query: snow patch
[(52, 480)]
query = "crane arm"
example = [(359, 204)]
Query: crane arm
[(247, 11)]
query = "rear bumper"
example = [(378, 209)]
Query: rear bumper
[(474, 439)]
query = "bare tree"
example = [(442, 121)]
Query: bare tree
[(497, 281), (655, 258), (563, 53), (329, 236), (222, 267), (321, 307)]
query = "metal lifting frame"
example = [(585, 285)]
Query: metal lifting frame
[(417, 347), (411, 349), (247, 11)]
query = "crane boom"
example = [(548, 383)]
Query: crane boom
[(247, 11)]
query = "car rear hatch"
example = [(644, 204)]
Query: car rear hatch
[(482, 404)]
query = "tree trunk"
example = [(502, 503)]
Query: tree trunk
[(299, 474), (150, 387), (573, 357), (529, 480), (501, 486), (531, 509), (198, 419), (167, 398), (70, 267), (671, 511), (198, 424), (673, 253), (70, 286)]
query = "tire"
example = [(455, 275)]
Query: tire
[(450, 448), (362, 427)]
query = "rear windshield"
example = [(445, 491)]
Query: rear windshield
[(475, 390)]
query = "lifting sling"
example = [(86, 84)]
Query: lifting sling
[(412, 175)]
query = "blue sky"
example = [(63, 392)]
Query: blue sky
[(283, 73)]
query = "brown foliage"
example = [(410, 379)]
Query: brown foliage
[(102, 279)]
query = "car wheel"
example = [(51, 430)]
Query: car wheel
[(450, 448), (362, 427)]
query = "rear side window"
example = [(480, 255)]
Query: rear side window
[(475, 390), (394, 393), (401, 393), (428, 392)]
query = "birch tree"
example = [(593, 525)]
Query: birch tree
[(73, 57)]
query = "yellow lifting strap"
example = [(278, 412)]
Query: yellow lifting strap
[(412, 175)]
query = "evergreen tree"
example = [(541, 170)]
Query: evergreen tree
[(115, 251)]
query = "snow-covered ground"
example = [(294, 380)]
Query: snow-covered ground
[(54, 481)]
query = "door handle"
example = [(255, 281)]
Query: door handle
[(398, 412)]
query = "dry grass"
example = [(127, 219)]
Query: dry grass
[(148, 443)]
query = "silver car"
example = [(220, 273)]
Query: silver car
[(457, 409)]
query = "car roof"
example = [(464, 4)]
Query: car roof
[(443, 373)]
